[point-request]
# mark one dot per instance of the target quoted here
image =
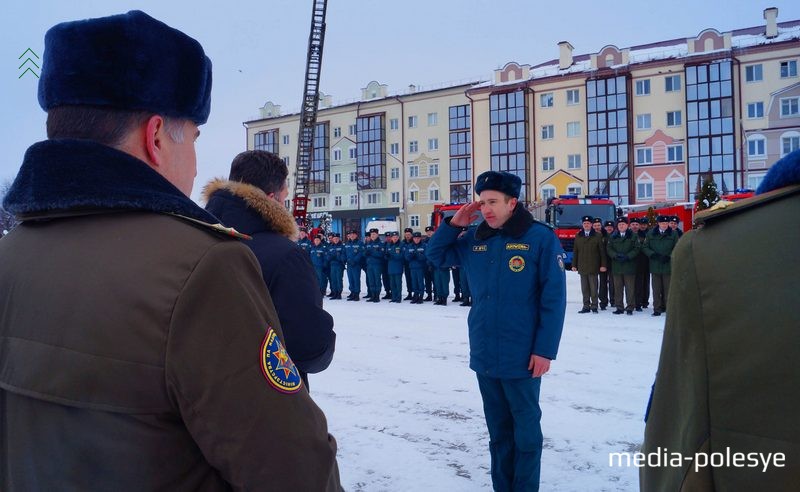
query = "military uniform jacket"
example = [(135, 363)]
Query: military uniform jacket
[(374, 252), (319, 255), (285, 267), (516, 277), (415, 256), (394, 256), (588, 253), (727, 377), (658, 247), (132, 341), (628, 247), (336, 254), (354, 253), (304, 243)]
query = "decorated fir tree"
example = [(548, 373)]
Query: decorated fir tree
[(708, 195), (651, 216)]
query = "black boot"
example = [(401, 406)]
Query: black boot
[(387, 296), (409, 297), (619, 311), (457, 298), (443, 301), (466, 302), (417, 299), (428, 298)]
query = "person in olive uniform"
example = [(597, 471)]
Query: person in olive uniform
[(605, 291), (623, 248), (658, 246), (588, 259), (642, 283), (140, 347), (673, 224), (727, 377)]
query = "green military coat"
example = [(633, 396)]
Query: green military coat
[(627, 245), (658, 247), (588, 253)]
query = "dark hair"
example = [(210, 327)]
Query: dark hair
[(260, 168), (107, 126)]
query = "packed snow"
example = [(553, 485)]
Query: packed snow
[(407, 414)]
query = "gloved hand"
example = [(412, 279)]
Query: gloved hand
[(621, 257)]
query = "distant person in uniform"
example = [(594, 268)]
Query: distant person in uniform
[(354, 254), (588, 259), (623, 248), (658, 246), (407, 242), (673, 224), (519, 297), (727, 377), (251, 201), (140, 347), (374, 254), (642, 289), (415, 255), (428, 269)]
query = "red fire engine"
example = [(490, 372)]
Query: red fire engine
[(443, 211)]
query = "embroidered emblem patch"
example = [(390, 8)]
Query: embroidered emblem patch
[(560, 261), (518, 247), (277, 366), (480, 248), (516, 264)]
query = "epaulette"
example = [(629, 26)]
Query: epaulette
[(725, 209), (228, 231)]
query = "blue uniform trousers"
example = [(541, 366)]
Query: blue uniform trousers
[(407, 275), (322, 279), (337, 270), (374, 279), (464, 284), (396, 280), (354, 279), (441, 279), (417, 280), (428, 272), (513, 416)]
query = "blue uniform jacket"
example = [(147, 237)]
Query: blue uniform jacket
[(336, 254), (516, 276), (415, 256), (319, 255), (394, 255), (374, 252), (354, 253)]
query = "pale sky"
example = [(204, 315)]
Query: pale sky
[(258, 49)]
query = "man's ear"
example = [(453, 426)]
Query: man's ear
[(154, 139)]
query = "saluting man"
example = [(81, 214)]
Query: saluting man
[(516, 273)]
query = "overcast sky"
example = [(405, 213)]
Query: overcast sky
[(258, 49)]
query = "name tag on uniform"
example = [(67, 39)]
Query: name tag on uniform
[(518, 247), (480, 248)]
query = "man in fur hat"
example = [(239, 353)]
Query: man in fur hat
[(251, 201), (518, 286), (140, 348)]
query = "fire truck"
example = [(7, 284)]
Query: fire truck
[(683, 210), (442, 211), (564, 214)]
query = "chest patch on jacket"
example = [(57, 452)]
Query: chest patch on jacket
[(277, 366), (480, 248), (517, 247), (516, 264)]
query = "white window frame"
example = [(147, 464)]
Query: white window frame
[(394, 148), (752, 177), (433, 144), (548, 132), (791, 136), (394, 124), (574, 161), (337, 132), (353, 176), (413, 194), (337, 178), (547, 191), (337, 154), (352, 152), (413, 220), (352, 129), (413, 121), (643, 118), (573, 97), (337, 200), (320, 201), (433, 169), (433, 119), (647, 180), (791, 69), (574, 189), (673, 88), (757, 110), (643, 87), (413, 147), (644, 155), (795, 106), (285, 139), (546, 100), (573, 129), (679, 118), (395, 197), (374, 198), (353, 200), (433, 189), (756, 73), (413, 171), (548, 163), (756, 138), (672, 158), (677, 181), (394, 173)]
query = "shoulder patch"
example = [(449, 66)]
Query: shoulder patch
[(518, 247), (480, 248), (516, 264), (277, 366)]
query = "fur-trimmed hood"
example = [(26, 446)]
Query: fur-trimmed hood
[(260, 213)]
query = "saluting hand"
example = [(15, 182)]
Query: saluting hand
[(465, 215), (538, 365)]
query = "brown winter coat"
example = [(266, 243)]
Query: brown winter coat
[(727, 378), (588, 253)]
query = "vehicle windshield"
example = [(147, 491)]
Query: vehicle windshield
[(571, 215)]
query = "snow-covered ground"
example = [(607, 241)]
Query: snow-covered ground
[(407, 414)]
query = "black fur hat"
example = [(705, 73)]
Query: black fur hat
[(127, 61), (501, 181)]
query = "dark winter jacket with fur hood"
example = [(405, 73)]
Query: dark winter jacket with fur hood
[(287, 270)]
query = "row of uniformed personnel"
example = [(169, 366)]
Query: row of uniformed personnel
[(384, 261), (618, 261)]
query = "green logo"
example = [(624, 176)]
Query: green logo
[(29, 61)]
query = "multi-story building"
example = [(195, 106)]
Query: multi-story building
[(643, 124), (381, 158)]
